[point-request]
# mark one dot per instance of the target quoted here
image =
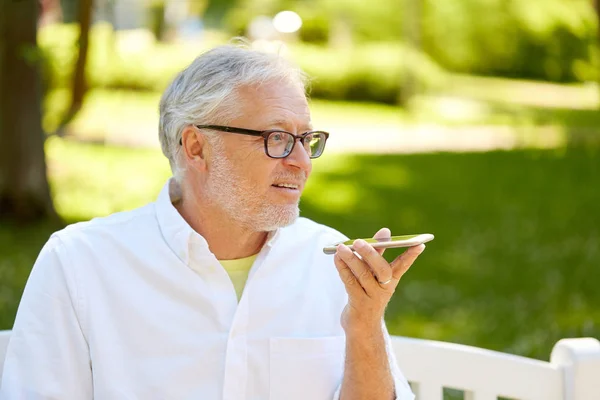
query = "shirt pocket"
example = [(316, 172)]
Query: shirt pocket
[(306, 368)]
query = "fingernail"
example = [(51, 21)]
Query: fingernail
[(359, 244)]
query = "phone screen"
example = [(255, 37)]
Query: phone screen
[(389, 239)]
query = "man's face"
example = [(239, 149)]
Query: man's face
[(242, 179)]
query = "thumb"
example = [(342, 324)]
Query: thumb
[(382, 234)]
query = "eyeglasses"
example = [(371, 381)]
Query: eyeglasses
[(278, 143)]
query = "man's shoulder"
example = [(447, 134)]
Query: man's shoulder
[(116, 224)]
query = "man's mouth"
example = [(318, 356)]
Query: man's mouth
[(286, 186)]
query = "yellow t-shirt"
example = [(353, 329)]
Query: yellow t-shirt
[(238, 272)]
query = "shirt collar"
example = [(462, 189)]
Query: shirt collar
[(178, 234), (175, 230), (273, 237)]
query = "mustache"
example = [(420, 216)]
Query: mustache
[(288, 176)]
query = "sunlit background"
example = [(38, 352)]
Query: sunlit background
[(475, 120)]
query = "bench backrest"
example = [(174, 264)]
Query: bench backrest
[(572, 374)]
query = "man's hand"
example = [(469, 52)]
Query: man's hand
[(370, 280)]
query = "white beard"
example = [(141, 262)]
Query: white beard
[(239, 199)]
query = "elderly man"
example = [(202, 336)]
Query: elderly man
[(217, 290)]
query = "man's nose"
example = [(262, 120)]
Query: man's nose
[(299, 158)]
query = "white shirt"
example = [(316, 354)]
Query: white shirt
[(135, 306)]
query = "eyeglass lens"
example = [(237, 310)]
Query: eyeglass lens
[(280, 144)]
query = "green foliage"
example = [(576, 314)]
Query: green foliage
[(541, 39), (374, 72), (315, 27), (133, 60), (371, 72), (368, 21), (58, 45), (537, 39)]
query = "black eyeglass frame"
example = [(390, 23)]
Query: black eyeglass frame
[(265, 136)]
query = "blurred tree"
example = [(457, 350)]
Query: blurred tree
[(534, 39), (216, 10), (597, 61), (69, 10), (413, 26), (24, 189), (356, 20), (597, 7), (79, 86), (157, 19)]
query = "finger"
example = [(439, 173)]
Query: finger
[(403, 262), (377, 264), (353, 287), (382, 234), (359, 268)]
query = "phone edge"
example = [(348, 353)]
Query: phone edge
[(329, 250)]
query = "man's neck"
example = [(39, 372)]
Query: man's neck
[(227, 239)]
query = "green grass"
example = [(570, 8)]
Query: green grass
[(514, 266), (474, 100), (524, 92), (461, 111), (86, 181), (328, 112), (107, 114), (19, 247), (131, 118), (95, 180)]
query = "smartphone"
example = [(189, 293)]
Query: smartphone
[(385, 243)]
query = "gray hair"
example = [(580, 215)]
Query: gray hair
[(206, 92)]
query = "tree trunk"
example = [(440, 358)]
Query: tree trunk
[(215, 12), (24, 191), (79, 81), (157, 19), (412, 19), (79, 88)]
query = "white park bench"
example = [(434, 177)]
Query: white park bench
[(573, 372)]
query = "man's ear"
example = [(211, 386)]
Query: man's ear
[(194, 147)]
